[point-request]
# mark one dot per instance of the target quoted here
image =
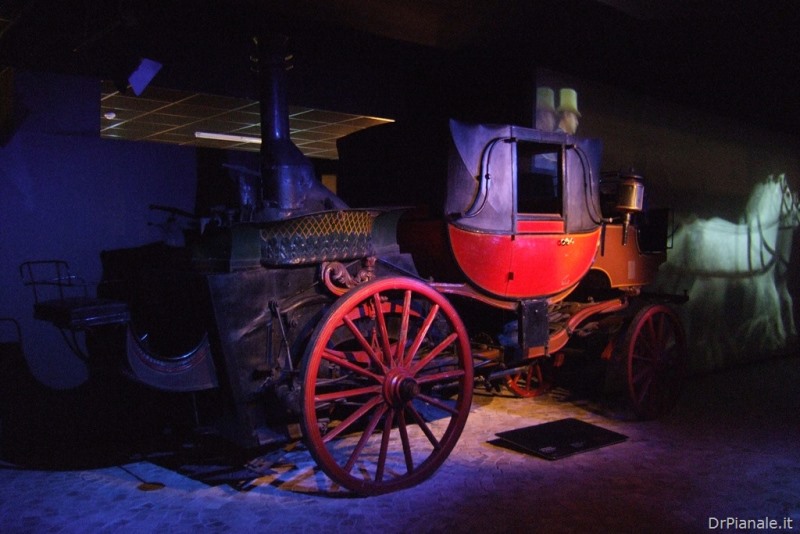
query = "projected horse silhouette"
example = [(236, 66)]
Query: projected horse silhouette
[(736, 277)]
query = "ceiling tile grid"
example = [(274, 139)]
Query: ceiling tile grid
[(169, 116)]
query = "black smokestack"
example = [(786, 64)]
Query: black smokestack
[(290, 185)]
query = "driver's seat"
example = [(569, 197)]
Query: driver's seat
[(62, 299)]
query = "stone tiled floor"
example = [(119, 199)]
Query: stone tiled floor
[(731, 449)]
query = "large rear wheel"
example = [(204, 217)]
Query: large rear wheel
[(655, 352), (387, 385)]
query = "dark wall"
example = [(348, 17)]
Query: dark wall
[(65, 193)]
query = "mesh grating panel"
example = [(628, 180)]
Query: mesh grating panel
[(326, 236)]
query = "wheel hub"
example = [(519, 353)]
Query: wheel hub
[(399, 389)]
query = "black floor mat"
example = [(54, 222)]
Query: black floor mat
[(557, 439)]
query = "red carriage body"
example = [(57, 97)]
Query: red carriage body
[(521, 212)]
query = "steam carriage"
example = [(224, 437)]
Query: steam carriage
[(352, 326), (349, 327)]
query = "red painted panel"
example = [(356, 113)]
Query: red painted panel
[(625, 265), (540, 227), (524, 265)]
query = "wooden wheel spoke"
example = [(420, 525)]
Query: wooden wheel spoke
[(438, 403), (423, 331), (352, 418), (650, 331), (669, 343), (434, 353), (402, 426), (644, 372), (528, 375), (366, 345), (387, 430), (336, 357), (365, 435), (442, 377), (645, 342), (643, 357), (660, 332), (399, 355), (383, 331), (645, 386), (423, 426), (346, 393)]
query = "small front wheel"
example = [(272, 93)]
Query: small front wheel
[(529, 382), (387, 385)]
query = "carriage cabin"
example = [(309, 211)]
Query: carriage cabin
[(514, 212)]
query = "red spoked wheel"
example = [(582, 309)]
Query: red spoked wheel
[(656, 360), (529, 382), (387, 385)]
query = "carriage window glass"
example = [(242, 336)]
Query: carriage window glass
[(539, 182)]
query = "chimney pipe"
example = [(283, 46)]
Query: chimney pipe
[(289, 182), (285, 171), (274, 61)]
